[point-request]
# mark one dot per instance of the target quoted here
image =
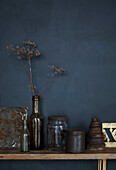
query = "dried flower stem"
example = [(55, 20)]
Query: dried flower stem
[(31, 75), (46, 83), (25, 70), (28, 51)]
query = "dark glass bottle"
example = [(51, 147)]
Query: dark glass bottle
[(36, 125), (25, 136)]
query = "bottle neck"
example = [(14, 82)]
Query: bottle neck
[(35, 106)]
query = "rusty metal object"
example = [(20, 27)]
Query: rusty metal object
[(11, 124), (75, 140), (96, 137)]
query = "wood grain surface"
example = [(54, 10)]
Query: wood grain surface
[(53, 155)]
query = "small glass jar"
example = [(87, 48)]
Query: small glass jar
[(56, 128)]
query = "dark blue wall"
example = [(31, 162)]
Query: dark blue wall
[(79, 35)]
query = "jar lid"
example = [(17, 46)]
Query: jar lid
[(57, 118), (75, 131)]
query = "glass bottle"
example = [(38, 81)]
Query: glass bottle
[(25, 136), (36, 125)]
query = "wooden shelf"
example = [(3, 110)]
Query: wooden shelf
[(53, 155)]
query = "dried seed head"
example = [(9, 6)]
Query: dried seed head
[(62, 70), (37, 53), (52, 67), (56, 70), (27, 50), (17, 46), (19, 57), (8, 47), (18, 52)]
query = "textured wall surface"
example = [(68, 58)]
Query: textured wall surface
[(79, 35)]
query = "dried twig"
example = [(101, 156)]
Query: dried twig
[(46, 83), (55, 71), (31, 75), (24, 68), (28, 50)]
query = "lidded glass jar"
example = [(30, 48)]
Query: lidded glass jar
[(56, 132)]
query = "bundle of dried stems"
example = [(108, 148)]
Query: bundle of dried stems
[(28, 51)]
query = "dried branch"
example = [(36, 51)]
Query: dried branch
[(30, 78), (55, 71), (25, 69), (28, 50), (31, 75), (43, 88)]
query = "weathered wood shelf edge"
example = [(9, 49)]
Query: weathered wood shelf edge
[(53, 155), (56, 156)]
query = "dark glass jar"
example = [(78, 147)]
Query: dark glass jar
[(36, 125), (56, 132), (25, 136)]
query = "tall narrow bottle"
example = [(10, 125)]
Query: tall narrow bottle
[(25, 136), (36, 125)]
